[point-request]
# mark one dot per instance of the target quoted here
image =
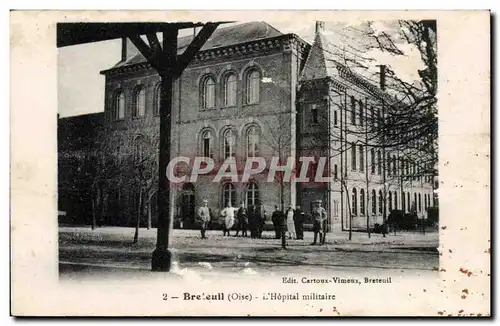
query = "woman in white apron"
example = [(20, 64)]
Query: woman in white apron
[(290, 224)]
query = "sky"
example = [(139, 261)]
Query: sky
[(81, 87)]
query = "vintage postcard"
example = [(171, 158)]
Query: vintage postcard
[(250, 163)]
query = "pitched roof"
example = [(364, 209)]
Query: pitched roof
[(325, 61), (226, 36)]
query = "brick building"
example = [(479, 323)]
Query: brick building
[(250, 92)]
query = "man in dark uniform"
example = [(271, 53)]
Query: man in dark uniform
[(298, 219), (251, 222), (276, 222), (283, 228), (319, 218), (242, 216), (259, 219)]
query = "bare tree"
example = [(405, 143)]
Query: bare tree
[(278, 138), (143, 166)]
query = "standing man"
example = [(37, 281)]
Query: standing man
[(228, 215), (298, 219), (242, 215), (276, 222), (319, 217), (204, 218)]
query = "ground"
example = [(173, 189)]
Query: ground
[(83, 251)]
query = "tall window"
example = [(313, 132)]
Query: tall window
[(389, 199), (361, 114), (252, 194), (229, 143), (379, 118), (353, 111), (157, 99), (208, 93), (353, 156), (372, 156), (354, 202), (335, 118), (230, 90), (138, 155), (408, 201), (389, 164), (415, 201), (314, 113), (119, 105), (403, 201), (394, 165), (395, 200), (206, 139), (252, 142), (252, 87), (139, 102), (380, 202), (419, 202), (361, 158), (379, 162), (362, 202), (335, 172), (228, 195), (374, 203)]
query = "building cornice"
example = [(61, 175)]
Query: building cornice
[(282, 43)]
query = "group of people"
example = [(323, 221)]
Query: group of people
[(287, 224)]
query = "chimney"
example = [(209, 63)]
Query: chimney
[(128, 49), (382, 77), (320, 26)]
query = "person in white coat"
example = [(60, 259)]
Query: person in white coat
[(290, 224), (228, 215)]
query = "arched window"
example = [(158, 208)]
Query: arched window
[(380, 202), (353, 156), (361, 158), (361, 114), (419, 202), (374, 203), (252, 194), (157, 99), (228, 195), (229, 143), (138, 150), (362, 202), (372, 154), (389, 199), (252, 142), (354, 202), (206, 143), (208, 93), (119, 105), (379, 162), (252, 87), (353, 111), (230, 90), (139, 102)]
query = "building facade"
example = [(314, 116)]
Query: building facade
[(250, 92)]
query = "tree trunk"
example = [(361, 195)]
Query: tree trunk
[(94, 220), (139, 211), (349, 209), (149, 213)]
